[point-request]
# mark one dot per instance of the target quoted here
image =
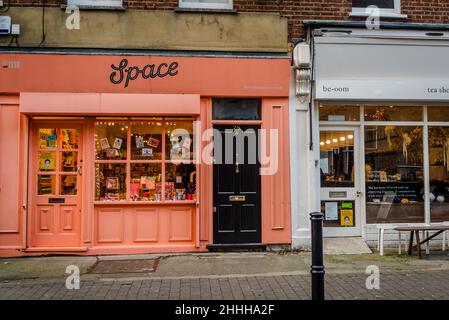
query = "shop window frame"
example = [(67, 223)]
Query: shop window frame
[(425, 123), (384, 12), (129, 161)]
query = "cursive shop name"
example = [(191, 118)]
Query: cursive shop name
[(124, 73)]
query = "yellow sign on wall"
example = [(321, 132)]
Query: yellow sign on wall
[(347, 218)]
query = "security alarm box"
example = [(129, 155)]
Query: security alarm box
[(301, 55), (5, 25)]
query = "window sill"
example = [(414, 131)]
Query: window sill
[(382, 15), (204, 10), (129, 203), (106, 8)]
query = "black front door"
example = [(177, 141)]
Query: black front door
[(237, 214)]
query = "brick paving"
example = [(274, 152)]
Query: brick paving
[(426, 285)]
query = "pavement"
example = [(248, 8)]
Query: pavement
[(257, 275)]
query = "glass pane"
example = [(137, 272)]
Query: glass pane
[(47, 138), (110, 140), (46, 184), (69, 138), (68, 185), (236, 109), (337, 159), (439, 173), (47, 161), (383, 4), (393, 113), (146, 182), (179, 140), (69, 161), (180, 182), (146, 140), (339, 113), (438, 113), (394, 174), (110, 182)]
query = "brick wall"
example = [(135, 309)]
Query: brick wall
[(428, 11)]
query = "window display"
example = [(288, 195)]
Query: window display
[(146, 140), (394, 174), (110, 140), (439, 173), (337, 159), (137, 172), (180, 182), (179, 141), (110, 182)]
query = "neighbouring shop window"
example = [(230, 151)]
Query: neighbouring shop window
[(439, 173), (393, 113), (385, 6), (96, 3), (438, 114), (394, 174), (206, 4), (337, 159), (132, 156), (339, 113), (236, 109)]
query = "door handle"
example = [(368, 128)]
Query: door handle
[(80, 171)]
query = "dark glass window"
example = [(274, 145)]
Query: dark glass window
[(382, 4), (236, 109)]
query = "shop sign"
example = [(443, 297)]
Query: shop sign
[(406, 89), (124, 73)]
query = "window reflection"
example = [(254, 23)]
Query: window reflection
[(337, 159), (394, 174), (439, 173)]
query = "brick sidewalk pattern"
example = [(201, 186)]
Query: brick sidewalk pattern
[(412, 285)]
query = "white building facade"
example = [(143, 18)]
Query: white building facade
[(369, 116)]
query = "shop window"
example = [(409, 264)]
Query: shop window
[(179, 141), (145, 149), (436, 114), (110, 140), (236, 109), (110, 181), (180, 182), (394, 174), (96, 3), (206, 4), (385, 6), (146, 182), (439, 173), (393, 113), (339, 113), (337, 159), (146, 139)]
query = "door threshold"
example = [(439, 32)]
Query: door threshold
[(236, 246), (55, 249)]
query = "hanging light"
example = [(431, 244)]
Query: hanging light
[(342, 138), (328, 142), (350, 137), (322, 143), (334, 140)]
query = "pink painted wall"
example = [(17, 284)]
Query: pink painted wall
[(80, 86)]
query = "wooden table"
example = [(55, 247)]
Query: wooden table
[(416, 229)]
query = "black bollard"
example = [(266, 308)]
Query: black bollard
[(317, 268)]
